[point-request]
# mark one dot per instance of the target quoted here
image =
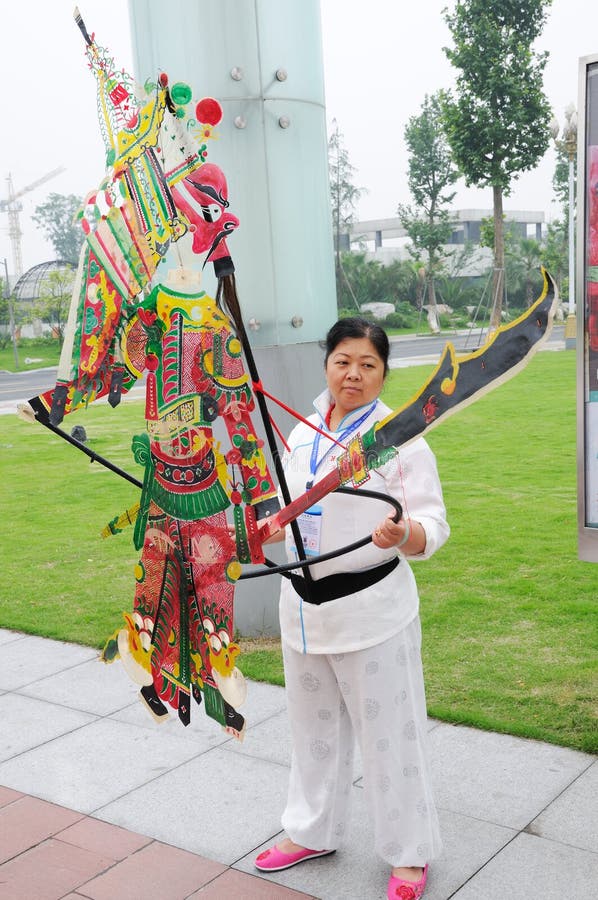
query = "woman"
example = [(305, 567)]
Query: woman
[(353, 663)]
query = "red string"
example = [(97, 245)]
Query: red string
[(279, 433), (406, 514), (258, 386)]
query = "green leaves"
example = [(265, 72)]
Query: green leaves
[(497, 124), (497, 121), (56, 219), (431, 173), (431, 168), (52, 305), (343, 193)]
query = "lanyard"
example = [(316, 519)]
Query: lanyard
[(315, 463)]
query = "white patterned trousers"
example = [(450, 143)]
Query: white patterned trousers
[(376, 695)]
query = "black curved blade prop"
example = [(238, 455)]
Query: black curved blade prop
[(456, 382), (459, 380)]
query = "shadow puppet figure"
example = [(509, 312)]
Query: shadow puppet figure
[(177, 641)]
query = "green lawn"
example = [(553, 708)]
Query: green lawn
[(509, 612), (31, 354)]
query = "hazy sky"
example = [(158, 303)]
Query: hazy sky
[(380, 59)]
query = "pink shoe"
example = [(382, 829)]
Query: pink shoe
[(273, 859), (399, 889)]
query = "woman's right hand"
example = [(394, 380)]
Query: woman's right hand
[(274, 538), (406, 534)]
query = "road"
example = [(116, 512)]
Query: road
[(405, 351), (22, 385)]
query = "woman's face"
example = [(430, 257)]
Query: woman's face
[(354, 374)]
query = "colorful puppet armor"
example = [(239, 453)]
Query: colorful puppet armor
[(178, 640), (189, 561)]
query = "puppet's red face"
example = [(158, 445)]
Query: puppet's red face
[(203, 197)]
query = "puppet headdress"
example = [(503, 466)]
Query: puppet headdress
[(154, 136)]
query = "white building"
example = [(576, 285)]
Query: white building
[(386, 240)]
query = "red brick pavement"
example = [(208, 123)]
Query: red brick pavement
[(48, 852)]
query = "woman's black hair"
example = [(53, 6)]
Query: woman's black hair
[(356, 327)]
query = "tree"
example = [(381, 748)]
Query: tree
[(431, 173), (52, 306), (343, 197), (560, 181), (395, 283), (497, 124), (566, 165), (528, 253), (523, 256), (363, 280), (417, 272), (56, 218), (555, 255), (5, 335), (457, 286), (565, 142)]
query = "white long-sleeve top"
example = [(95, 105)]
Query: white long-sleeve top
[(376, 613)]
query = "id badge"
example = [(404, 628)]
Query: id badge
[(310, 526)]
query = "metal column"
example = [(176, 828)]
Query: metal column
[(262, 59)]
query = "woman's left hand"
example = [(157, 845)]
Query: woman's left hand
[(390, 533)]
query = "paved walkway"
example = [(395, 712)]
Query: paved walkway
[(98, 801)]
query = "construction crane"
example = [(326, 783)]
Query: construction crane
[(13, 207)]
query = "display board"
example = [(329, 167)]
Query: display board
[(587, 310)]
